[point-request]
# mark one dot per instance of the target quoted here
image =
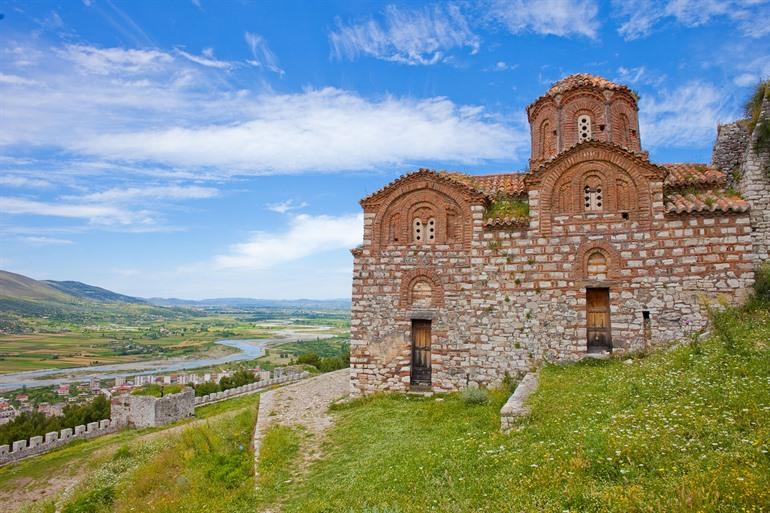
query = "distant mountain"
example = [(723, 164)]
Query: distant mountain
[(85, 291), (23, 299), (244, 302)]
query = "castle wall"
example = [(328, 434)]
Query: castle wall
[(514, 297)]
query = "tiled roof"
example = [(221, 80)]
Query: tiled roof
[(705, 201), (508, 184), (681, 175), (581, 80), (577, 80)]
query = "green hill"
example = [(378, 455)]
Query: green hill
[(85, 291), (25, 302)]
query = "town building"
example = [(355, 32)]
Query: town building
[(462, 279)]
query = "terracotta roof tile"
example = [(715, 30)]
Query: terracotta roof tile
[(577, 80), (705, 201), (685, 174), (508, 184)]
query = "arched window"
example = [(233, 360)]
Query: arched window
[(596, 266), (422, 293), (417, 227), (546, 139), (625, 135), (584, 127), (593, 194), (431, 230)]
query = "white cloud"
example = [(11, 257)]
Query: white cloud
[(96, 214), (641, 16), (22, 181), (127, 194), (563, 18), (324, 130), (207, 59), (262, 56), (285, 206), (407, 36), (685, 117), (306, 235), (46, 241), (104, 61), (15, 80), (639, 76), (183, 118)]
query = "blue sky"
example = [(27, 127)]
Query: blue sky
[(208, 149)]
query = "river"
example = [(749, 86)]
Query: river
[(249, 349)]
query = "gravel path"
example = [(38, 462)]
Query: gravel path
[(303, 404)]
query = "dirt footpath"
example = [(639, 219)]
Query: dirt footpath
[(304, 404)]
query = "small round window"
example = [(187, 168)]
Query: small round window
[(584, 128)]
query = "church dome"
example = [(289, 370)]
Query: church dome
[(582, 107)]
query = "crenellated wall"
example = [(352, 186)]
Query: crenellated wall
[(38, 444)]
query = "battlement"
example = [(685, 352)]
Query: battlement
[(39, 444)]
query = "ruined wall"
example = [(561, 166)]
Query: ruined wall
[(516, 297), (755, 188), (142, 411), (730, 149)]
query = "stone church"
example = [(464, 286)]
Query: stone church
[(594, 249)]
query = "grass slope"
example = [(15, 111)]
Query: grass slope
[(681, 430), (85, 291)]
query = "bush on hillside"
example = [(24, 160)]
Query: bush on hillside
[(473, 395)]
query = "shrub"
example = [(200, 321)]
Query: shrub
[(762, 283), (473, 395), (92, 502)]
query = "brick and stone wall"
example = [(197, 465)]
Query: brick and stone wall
[(514, 296)]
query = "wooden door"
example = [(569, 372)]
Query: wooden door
[(421, 352), (598, 319)]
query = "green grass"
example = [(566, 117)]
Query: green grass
[(280, 447), (682, 430), (507, 207), (207, 467)]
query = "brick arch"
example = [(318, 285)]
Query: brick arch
[(545, 114), (413, 276), (592, 156), (619, 108), (576, 105), (586, 249), (443, 197)]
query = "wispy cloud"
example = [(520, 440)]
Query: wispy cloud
[(129, 194), (324, 130), (95, 214), (207, 59), (307, 235), (641, 16), (46, 241), (563, 18), (407, 36), (684, 117), (639, 75), (285, 206), (262, 56), (22, 181), (160, 111)]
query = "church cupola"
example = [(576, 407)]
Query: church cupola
[(579, 108)]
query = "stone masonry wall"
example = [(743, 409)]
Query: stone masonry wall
[(730, 148), (38, 444), (755, 187), (515, 297), (142, 411)]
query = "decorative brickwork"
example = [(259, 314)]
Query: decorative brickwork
[(502, 294)]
